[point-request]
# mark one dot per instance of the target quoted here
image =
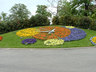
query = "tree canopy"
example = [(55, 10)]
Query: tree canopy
[(19, 12), (76, 7), (42, 9)]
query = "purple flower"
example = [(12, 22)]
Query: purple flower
[(76, 34), (28, 41)]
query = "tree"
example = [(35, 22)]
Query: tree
[(83, 6), (76, 7), (0, 18), (64, 8), (53, 4), (42, 9), (4, 16), (19, 12)]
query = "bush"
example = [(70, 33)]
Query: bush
[(68, 20), (39, 20), (55, 20), (84, 22), (65, 20), (13, 25), (32, 21), (93, 25), (75, 21)]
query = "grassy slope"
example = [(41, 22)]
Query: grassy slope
[(10, 40)]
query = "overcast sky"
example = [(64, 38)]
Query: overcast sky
[(5, 5)]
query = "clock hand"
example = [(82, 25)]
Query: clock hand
[(52, 31), (44, 28), (44, 31)]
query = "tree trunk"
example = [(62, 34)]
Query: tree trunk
[(86, 9)]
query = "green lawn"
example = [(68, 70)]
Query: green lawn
[(10, 40)]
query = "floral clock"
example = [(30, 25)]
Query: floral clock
[(53, 35)]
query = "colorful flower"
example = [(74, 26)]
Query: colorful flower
[(29, 32), (60, 32), (93, 40), (53, 42), (70, 27), (76, 34), (1, 38), (28, 41)]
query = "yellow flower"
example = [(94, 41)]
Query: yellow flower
[(28, 32), (69, 26), (94, 39), (53, 42)]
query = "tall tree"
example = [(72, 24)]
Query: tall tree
[(19, 12), (82, 6), (76, 7), (64, 8), (53, 4), (3, 16), (42, 9)]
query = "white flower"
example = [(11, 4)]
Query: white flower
[(53, 42)]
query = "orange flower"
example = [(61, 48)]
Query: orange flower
[(60, 32)]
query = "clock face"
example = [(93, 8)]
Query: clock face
[(52, 33)]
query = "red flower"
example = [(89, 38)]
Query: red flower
[(1, 38)]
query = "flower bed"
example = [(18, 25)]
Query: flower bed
[(28, 41), (29, 32), (54, 42), (70, 27), (93, 40), (76, 34), (57, 37), (1, 38), (60, 32)]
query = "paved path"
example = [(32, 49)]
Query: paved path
[(48, 60)]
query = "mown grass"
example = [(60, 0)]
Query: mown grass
[(10, 40)]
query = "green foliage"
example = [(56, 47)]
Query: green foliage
[(66, 20), (76, 7), (3, 16), (93, 25), (82, 6), (39, 20), (84, 22), (19, 12), (13, 25), (93, 16), (55, 20), (42, 9), (64, 8), (32, 21)]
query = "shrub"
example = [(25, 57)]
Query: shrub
[(39, 20), (84, 22), (32, 21), (93, 25), (75, 21), (13, 25), (55, 20), (66, 20)]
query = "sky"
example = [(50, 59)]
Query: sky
[(6, 5)]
